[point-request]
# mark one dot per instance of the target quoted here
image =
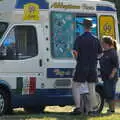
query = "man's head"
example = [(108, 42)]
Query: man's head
[(87, 23)]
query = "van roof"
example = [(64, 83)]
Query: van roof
[(7, 5), (10, 9), (44, 4)]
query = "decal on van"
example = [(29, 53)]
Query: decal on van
[(107, 26), (31, 12), (26, 85), (62, 5), (60, 72)]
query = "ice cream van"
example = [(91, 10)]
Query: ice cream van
[(36, 41)]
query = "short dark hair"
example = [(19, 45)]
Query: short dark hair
[(87, 23)]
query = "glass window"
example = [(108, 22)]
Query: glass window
[(20, 43), (79, 28), (65, 27)]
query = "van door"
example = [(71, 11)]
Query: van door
[(21, 64)]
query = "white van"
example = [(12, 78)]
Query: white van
[(36, 40)]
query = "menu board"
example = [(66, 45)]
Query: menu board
[(62, 34)]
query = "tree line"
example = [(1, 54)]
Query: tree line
[(117, 4)]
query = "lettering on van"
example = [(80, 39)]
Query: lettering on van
[(86, 7), (83, 6), (60, 72), (61, 5)]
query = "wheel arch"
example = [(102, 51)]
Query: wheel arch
[(99, 86), (5, 86), (99, 89)]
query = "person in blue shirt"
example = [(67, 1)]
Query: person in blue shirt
[(86, 49), (109, 70)]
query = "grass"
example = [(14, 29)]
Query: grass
[(59, 113)]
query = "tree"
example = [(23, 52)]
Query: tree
[(117, 4)]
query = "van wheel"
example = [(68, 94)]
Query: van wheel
[(4, 102), (35, 109), (100, 100)]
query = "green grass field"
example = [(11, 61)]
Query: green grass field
[(59, 113)]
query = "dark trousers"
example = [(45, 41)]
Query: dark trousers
[(109, 89)]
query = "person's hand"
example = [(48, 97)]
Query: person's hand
[(75, 54), (99, 56), (113, 73), (111, 76)]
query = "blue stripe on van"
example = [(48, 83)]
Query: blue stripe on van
[(43, 4), (65, 72), (44, 97), (49, 97), (105, 8)]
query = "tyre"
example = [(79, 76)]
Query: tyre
[(100, 100), (4, 102), (34, 109)]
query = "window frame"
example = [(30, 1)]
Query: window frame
[(74, 14), (23, 25)]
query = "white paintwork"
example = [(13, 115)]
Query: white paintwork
[(10, 69)]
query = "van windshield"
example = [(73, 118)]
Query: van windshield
[(3, 27)]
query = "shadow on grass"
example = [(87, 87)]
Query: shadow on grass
[(44, 116), (21, 115), (56, 113), (109, 114)]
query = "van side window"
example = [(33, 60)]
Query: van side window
[(20, 43), (65, 27)]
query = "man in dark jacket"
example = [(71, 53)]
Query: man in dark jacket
[(86, 50)]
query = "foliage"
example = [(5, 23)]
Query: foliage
[(117, 4)]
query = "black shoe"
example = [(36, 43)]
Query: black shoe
[(93, 113), (110, 111), (76, 111), (94, 108)]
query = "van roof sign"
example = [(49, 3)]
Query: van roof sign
[(43, 4), (55, 4)]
